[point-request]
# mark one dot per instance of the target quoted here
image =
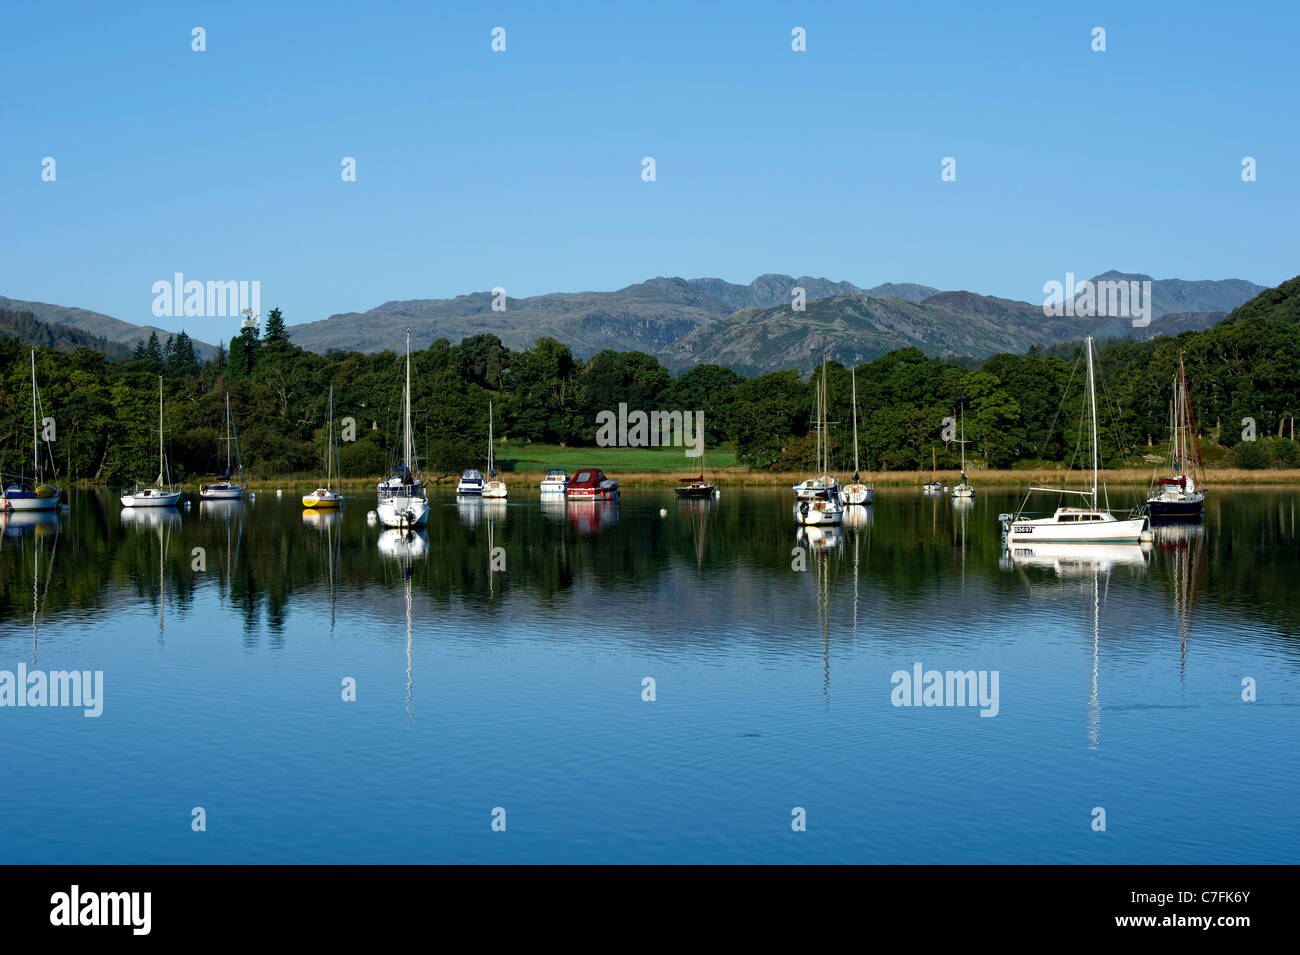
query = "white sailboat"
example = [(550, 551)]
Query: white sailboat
[(857, 492), (819, 505), (403, 505), (326, 497), (225, 489), (934, 486), (824, 484), (161, 493), (964, 489), (33, 494), (1077, 525), (492, 487)]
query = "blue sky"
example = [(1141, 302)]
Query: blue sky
[(522, 169)]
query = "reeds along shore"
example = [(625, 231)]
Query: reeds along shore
[(527, 481)]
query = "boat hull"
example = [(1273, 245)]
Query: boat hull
[(1090, 532), (696, 491), (495, 490), (322, 503), (592, 493), (50, 503), (154, 499), (818, 513), (403, 512), (856, 494), (1176, 510), (221, 492)]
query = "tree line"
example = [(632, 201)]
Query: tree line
[(1016, 408)]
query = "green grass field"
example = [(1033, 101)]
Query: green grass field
[(537, 458)]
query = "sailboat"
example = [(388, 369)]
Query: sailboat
[(403, 505), (964, 489), (819, 503), (695, 486), (824, 484), (1076, 525), (326, 496), (32, 494), (857, 492), (1181, 497), (935, 486), (161, 493), (224, 490), (492, 488)]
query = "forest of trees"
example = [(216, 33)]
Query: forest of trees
[(106, 411)]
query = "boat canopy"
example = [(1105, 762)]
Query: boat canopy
[(472, 474), (588, 477)]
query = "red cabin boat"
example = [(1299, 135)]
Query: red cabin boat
[(590, 484)]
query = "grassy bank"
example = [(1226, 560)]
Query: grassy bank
[(743, 477)]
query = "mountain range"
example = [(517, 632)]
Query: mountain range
[(98, 325), (751, 328)]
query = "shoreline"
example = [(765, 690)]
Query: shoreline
[(743, 477)]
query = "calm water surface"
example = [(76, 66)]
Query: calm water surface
[(1120, 685)]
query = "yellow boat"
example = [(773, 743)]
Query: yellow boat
[(326, 497)]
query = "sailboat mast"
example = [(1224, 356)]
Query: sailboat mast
[(855, 426), (329, 446), (160, 441), (407, 443), (36, 463), (491, 470), (1092, 401), (963, 444)]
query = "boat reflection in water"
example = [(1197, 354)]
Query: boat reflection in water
[(553, 507), (147, 518), (18, 524), (821, 538), (404, 543), (1181, 548), (857, 516), (219, 508), (1076, 560), (592, 517), (320, 520), (1088, 566)]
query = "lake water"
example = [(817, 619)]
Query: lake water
[(1119, 685)]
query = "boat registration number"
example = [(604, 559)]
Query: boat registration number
[(1023, 529)]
